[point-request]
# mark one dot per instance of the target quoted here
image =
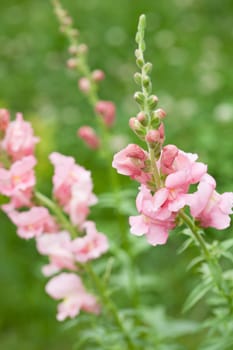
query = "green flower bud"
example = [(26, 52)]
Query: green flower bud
[(152, 102), (138, 78), (147, 67), (139, 98)]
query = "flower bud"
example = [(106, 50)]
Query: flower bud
[(146, 81), (138, 78), (4, 119), (73, 49), (152, 101), (137, 127), (84, 85), (71, 63), (147, 67), (160, 113), (107, 110), (88, 135), (98, 75), (82, 49), (139, 97), (153, 136)]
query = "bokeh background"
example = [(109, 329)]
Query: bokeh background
[(190, 44)]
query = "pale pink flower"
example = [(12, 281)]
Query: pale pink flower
[(57, 247), (131, 161), (181, 167), (89, 136), (156, 219), (69, 288), (91, 246), (31, 223), (4, 119), (72, 187), (81, 199), (19, 199), (20, 177), (209, 207), (107, 110), (19, 140)]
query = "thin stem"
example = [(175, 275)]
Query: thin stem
[(214, 267), (110, 306), (58, 213)]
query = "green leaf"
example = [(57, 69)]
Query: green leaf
[(197, 294)]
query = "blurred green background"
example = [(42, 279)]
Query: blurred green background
[(190, 44)]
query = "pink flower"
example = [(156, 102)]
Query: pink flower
[(209, 207), (107, 111), (81, 199), (57, 247), (19, 199), (88, 135), (91, 246), (19, 178), (181, 167), (72, 187), (31, 223), (131, 161), (19, 140), (4, 119), (69, 287), (156, 219)]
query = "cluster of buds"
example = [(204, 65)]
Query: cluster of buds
[(61, 229), (88, 82), (165, 172)]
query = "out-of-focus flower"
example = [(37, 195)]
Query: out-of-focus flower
[(107, 110), (69, 288), (89, 136), (19, 140), (19, 177), (33, 222), (91, 246), (57, 247)]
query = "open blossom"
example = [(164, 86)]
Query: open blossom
[(155, 219), (57, 247), (72, 187), (19, 140), (181, 168), (88, 135), (33, 222), (20, 177), (131, 161), (91, 246), (69, 288), (107, 111), (19, 199), (208, 206)]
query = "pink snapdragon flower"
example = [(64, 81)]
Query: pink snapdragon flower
[(57, 247), (19, 140), (32, 223), (19, 199), (131, 161), (208, 206), (72, 187), (20, 177), (107, 111), (91, 246), (155, 219), (181, 168), (89, 136), (69, 287)]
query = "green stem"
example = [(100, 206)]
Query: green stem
[(110, 306), (214, 267), (58, 213)]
